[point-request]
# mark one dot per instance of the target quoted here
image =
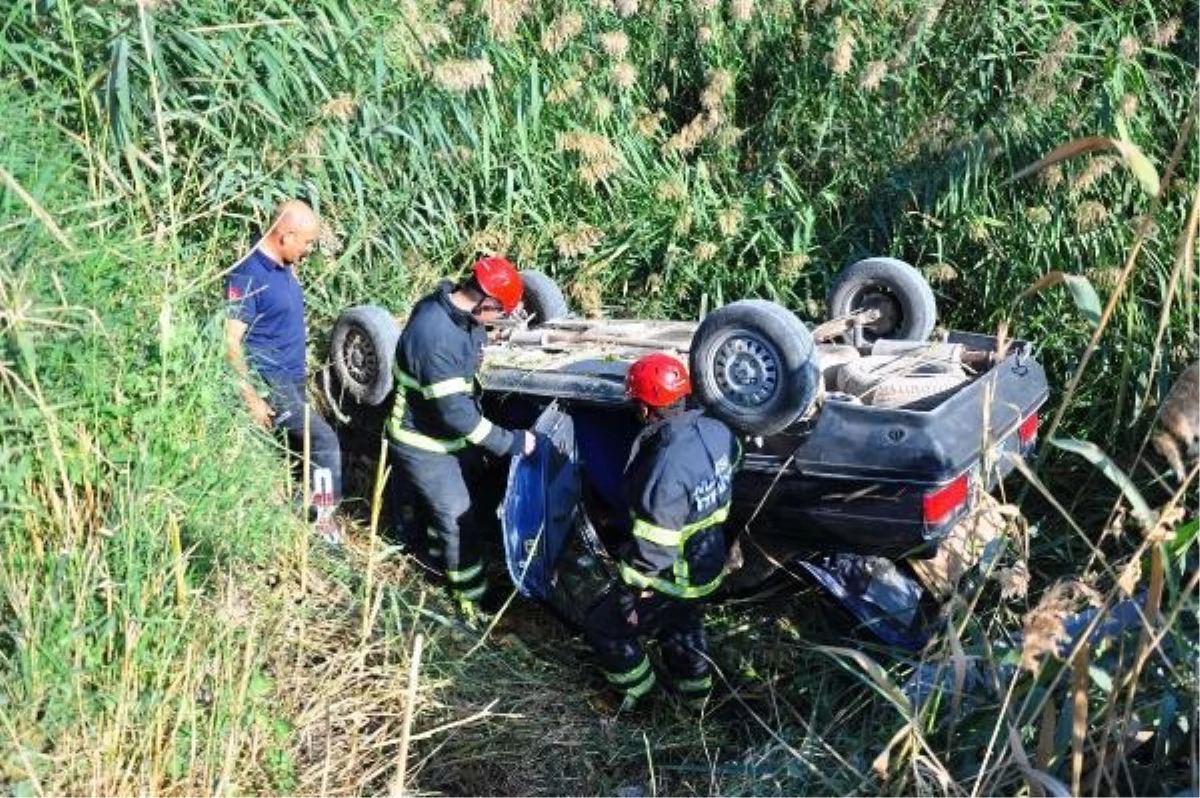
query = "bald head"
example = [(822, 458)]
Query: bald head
[(294, 229), (294, 214)]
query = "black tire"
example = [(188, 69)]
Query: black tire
[(543, 299), (362, 350), (754, 366), (908, 310)]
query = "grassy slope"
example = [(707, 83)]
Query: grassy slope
[(164, 631)]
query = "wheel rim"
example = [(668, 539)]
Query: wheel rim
[(887, 304), (746, 370), (360, 358)]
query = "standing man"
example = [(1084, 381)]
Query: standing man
[(678, 482), (265, 333), (437, 428)]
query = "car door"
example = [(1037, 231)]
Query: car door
[(541, 504)]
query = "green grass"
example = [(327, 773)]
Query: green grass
[(163, 625)]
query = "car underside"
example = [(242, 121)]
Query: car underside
[(865, 436)]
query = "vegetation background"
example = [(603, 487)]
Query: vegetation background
[(164, 625)]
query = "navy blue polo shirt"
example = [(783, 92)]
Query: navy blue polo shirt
[(267, 296)]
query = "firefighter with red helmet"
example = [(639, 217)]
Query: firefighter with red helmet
[(437, 431), (678, 485)]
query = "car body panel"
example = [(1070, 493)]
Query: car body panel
[(851, 478)]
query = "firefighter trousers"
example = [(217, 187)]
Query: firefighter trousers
[(615, 623), (435, 483)]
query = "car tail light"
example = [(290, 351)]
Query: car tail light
[(944, 502), (1027, 432)]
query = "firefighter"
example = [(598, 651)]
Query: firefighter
[(437, 430), (678, 486)]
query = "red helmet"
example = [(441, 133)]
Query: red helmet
[(658, 380), (499, 279)]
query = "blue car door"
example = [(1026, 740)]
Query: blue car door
[(540, 505)]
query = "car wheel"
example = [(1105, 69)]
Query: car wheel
[(754, 366), (543, 299), (903, 298), (362, 350)]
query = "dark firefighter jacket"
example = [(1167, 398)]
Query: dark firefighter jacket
[(678, 482), (437, 360)]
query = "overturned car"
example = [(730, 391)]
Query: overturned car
[(864, 435)]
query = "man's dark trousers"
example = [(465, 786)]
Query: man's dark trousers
[(287, 399)]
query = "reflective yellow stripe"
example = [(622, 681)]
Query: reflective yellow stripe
[(419, 441), (473, 594), (481, 431), (446, 388), (436, 390), (701, 685), (656, 534), (630, 676), (670, 538), (635, 578), (639, 690), (465, 575), (676, 538), (399, 403), (683, 574)]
